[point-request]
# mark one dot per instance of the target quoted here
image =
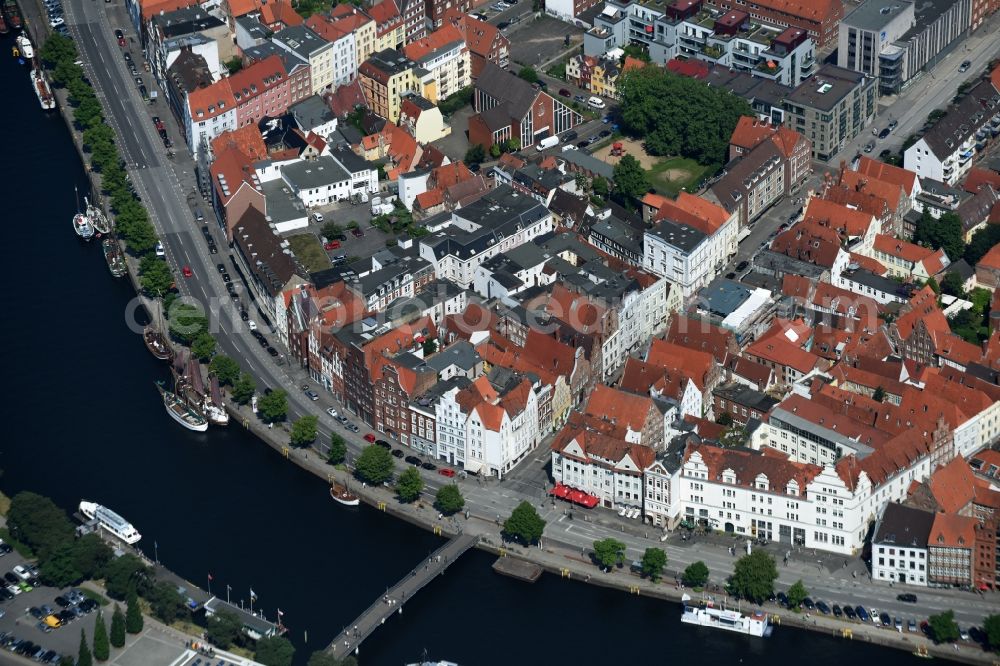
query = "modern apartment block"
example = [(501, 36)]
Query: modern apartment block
[(894, 40)]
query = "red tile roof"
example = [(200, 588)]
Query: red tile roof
[(953, 485), (692, 364), (953, 531), (887, 172), (256, 79), (599, 447), (747, 466), (991, 259), (620, 408), (280, 12), (885, 190), (852, 222), (809, 241), (977, 176), (246, 139), (701, 335), (211, 101), (440, 38), (692, 68), (902, 249), (750, 131)]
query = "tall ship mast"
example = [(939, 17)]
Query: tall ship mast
[(81, 223)]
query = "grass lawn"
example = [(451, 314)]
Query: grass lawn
[(4, 504), (307, 249), (96, 596), (21, 548), (670, 175)]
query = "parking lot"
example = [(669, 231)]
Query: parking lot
[(534, 41), (19, 625), (343, 214)]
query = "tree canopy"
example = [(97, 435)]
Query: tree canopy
[(609, 553), (244, 389), (304, 431), (203, 346), (273, 407), (154, 275), (117, 636), (40, 524), (991, 627), (102, 648), (797, 593), (653, 562), (409, 485), (223, 628), (524, 524), (374, 465), (166, 602), (981, 242), (754, 575), (944, 629), (528, 74), (84, 656), (338, 450), (133, 614), (943, 232), (274, 651), (677, 115), (225, 369), (124, 572), (449, 499), (630, 178), (695, 575)]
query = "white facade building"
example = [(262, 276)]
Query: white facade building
[(607, 468), (684, 255), (317, 182), (899, 545)]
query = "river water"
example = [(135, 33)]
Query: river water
[(86, 423)]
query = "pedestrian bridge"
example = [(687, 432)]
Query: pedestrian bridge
[(393, 600)]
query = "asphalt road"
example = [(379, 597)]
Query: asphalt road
[(163, 182)]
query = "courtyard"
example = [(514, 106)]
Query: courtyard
[(669, 175)]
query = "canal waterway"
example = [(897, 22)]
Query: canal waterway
[(83, 420)]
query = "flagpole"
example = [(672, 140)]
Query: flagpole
[(252, 595), (228, 588), (209, 584)]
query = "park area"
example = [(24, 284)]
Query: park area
[(669, 175), (309, 251)]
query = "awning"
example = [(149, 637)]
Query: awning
[(560, 491), (582, 498), (472, 467)]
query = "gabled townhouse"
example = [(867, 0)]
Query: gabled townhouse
[(296, 69), (946, 151), (899, 545), (703, 336), (485, 429), (897, 204), (684, 255), (208, 113), (908, 261), (235, 185), (815, 248), (318, 52), (635, 416), (387, 76), (741, 403), (190, 28), (345, 48), (753, 182), (698, 366), (675, 394), (509, 108), (750, 132), (348, 18), (604, 466), (390, 26), (261, 257), (422, 119), (485, 42), (856, 228), (785, 348), (414, 14)]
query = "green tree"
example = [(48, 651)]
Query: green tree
[(952, 284), (91, 555), (322, 658), (456, 101), (524, 524), (599, 186), (274, 651), (118, 628), (141, 237), (528, 74), (495, 151), (84, 657), (338, 450), (102, 648), (273, 407), (187, 322), (944, 629), (234, 65), (797, 593), (244, 389), (630, 178), (991, 627), (374, 465), (653, 562), (933, 284), (981, 242), (475, 155), (943, 232), (409, 485), (879, 394), (753, 576), (695, 575), (677, 115), (734, 436), (166, 603), (304, 431), (225, 369), (203, 346), (724, 419), (133, 614), (223, 629), (124, 572), (331, 230), (59, 569), (609, 553), (37, 522), (449, 499)]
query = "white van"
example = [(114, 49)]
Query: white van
[(596, 103), (548, 142), (159, 250)]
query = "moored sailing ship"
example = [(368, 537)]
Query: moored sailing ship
[(155, 343), (97, 218), (180, 411), (113, 255), (42, 90)]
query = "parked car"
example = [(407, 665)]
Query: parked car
[(837, 610), (596, 103), (893, 124), (908, 597), (446, 471), (370, 438), (884, 133), (357, 232), (782, 599), (849, 613), (429, 466), (570, 136), (332, 245), (822, 607), (808, 603), (565, 93), (884, 619), (870, 146), (413, 460), (352, 427), (862, 613), (397, 453), (911, 626), (312, 395)]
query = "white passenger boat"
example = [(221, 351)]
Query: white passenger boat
[(705, 615), (110, 521)]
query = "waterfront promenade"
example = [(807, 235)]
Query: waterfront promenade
[(395, 598), (563, 538)]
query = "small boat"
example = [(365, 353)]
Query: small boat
[(341, 494), (181, 412), (155, 343), (705, 615), (81, 223), (42, 90), (97, 218), (110, 521), (113, 255), (13, 15), (25, 47)]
